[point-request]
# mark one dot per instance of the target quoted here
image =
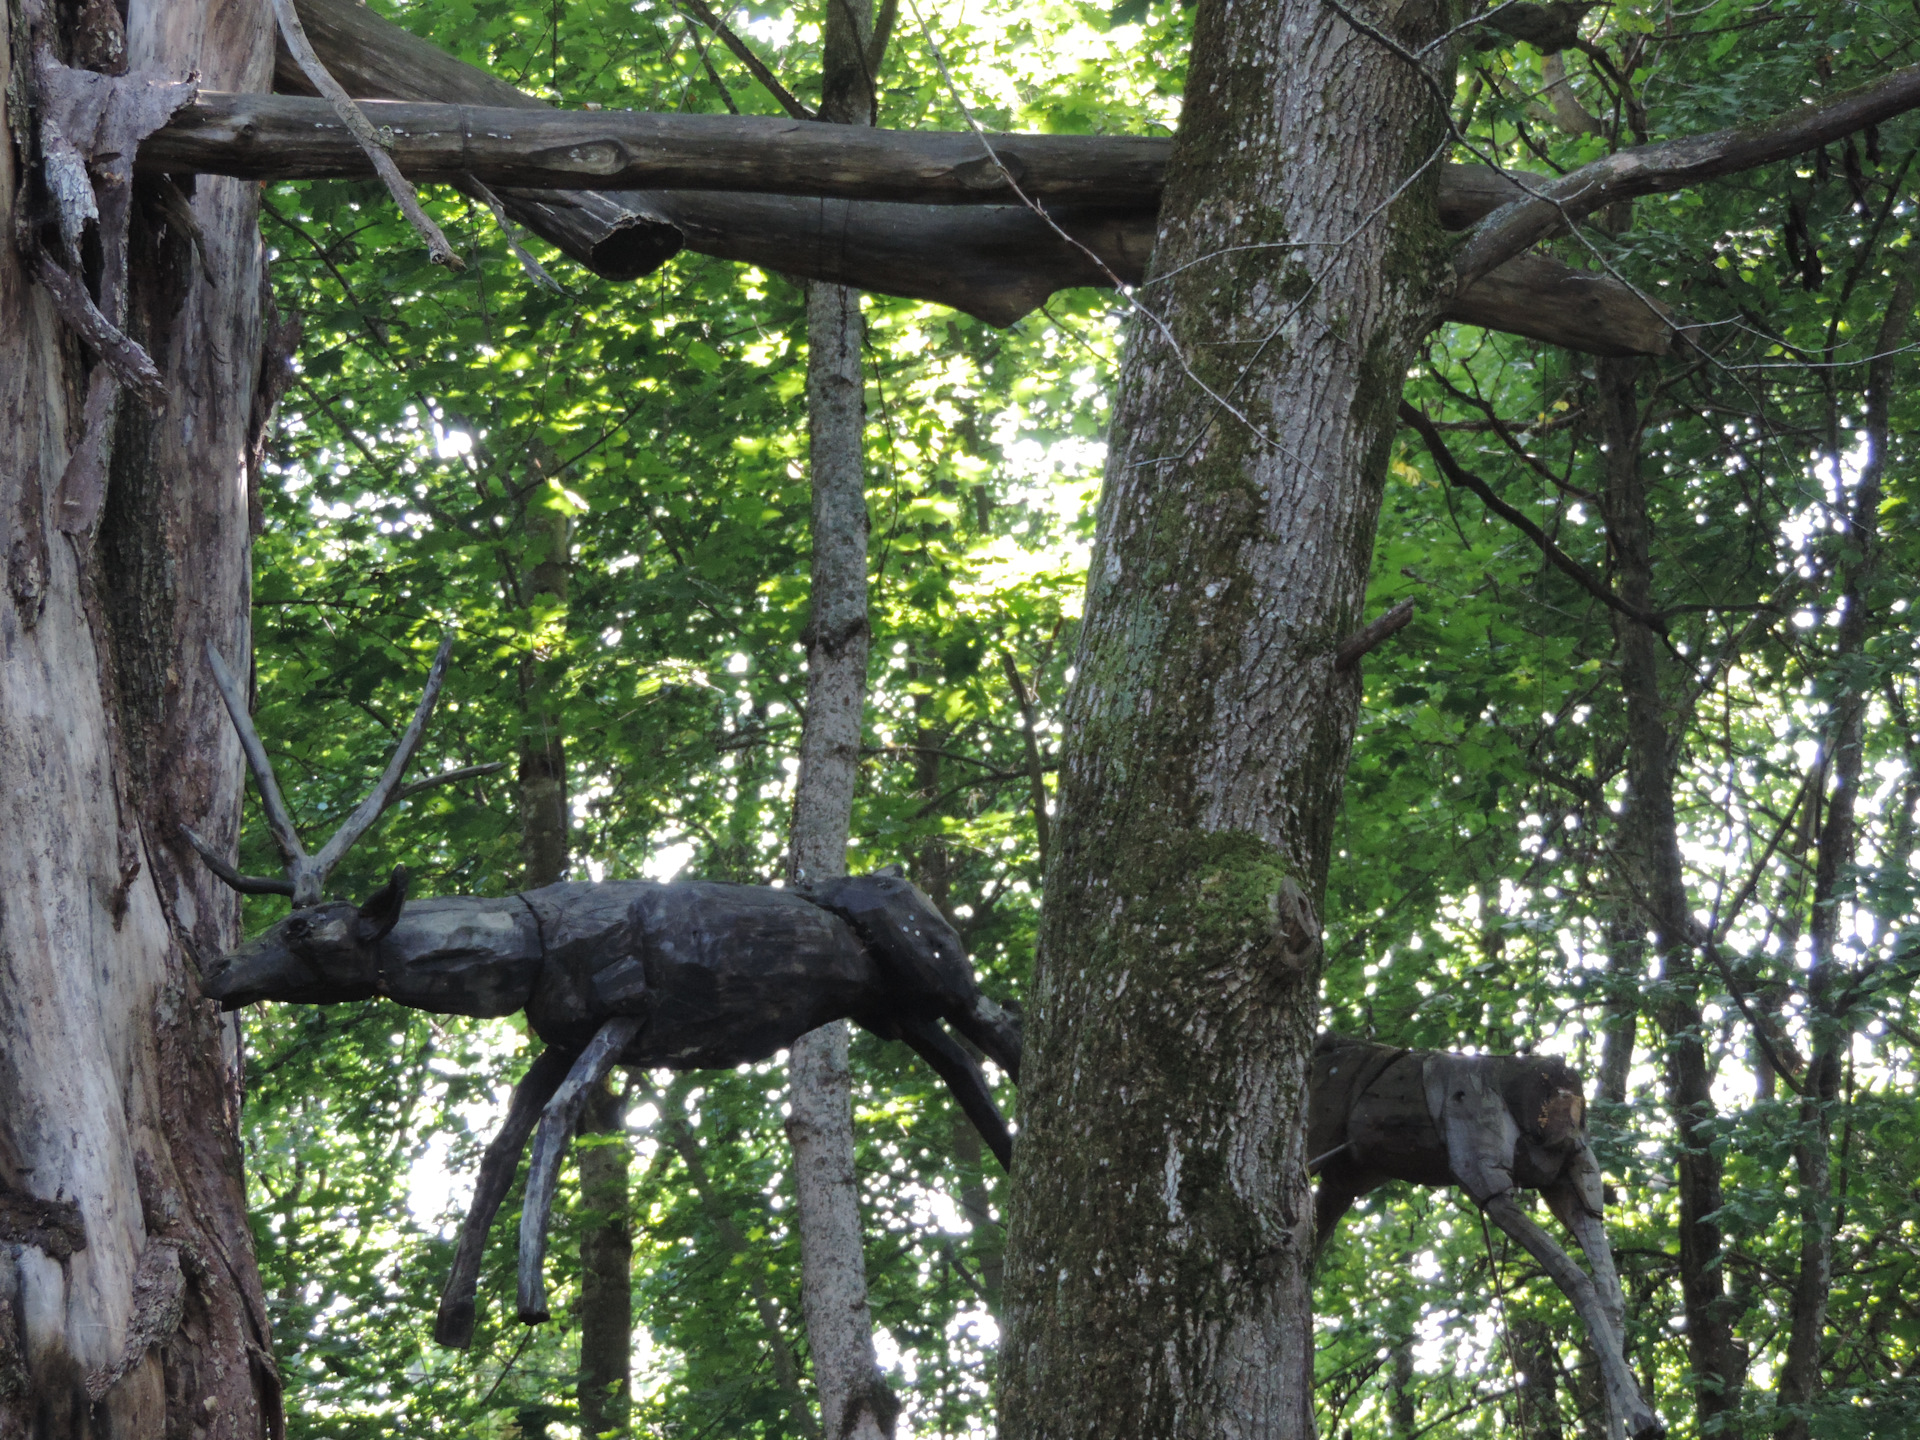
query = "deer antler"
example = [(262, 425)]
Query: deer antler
[(307, 873)]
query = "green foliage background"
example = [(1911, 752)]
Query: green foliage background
[(439, 423)]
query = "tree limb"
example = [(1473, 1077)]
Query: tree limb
[(438, 250), (1558, 558), (1676, 164)]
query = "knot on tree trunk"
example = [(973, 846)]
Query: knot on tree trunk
[(835, 640)]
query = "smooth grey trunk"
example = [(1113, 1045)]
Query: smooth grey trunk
[(1800, 1378), (1158, 1265), (119, 1130), (854, 1399), (1650, 854)]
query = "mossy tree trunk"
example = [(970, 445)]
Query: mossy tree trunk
[(1158, 1271), (119, 1128)]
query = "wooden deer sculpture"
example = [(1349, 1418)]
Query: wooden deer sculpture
[(1490, 1124), (623, 972)]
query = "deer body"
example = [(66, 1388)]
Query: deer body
[(719, 974), (1489, 1124), (625, 972)]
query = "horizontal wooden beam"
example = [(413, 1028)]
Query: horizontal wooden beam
[(909, 213), (290, 137)]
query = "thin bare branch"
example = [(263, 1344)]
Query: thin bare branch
[(1456, 474), (245, 884), (382, 794), (279, 818), (786, 98), (448, 777), (438, 250)]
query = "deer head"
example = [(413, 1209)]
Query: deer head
[(321, 955), (322, 952)]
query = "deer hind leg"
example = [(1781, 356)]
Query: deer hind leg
[(1340, 1183), (1579, 1201), (1625, 1403), (964, 1078), (557, 1120), (454, 1327)]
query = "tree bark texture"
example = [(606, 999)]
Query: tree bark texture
[(1654, 878), (545, 851), (606, 1267), (129, 1299), (855, 1402), (997, 262), (1161, 1226)]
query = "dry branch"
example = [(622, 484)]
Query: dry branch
[(284, 137), (365, 138), (1676, 164), (997, 261)]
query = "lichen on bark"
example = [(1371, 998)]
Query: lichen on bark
[(1159, 1242)]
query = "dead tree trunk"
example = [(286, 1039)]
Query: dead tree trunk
[(129, 1301), (854, 1400), (1157, 1276)]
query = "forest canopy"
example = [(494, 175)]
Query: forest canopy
[(1689, 576)]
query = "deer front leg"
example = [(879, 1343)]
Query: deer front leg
[(562, 1113), (454, 1327), (1624, 1400)]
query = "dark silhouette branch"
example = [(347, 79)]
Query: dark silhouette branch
[(1458, 476)]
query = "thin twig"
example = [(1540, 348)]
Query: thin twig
[(361, 128), (1558, 558), (533, 267), (757, 67)]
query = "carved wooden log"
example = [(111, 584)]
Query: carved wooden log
[(263, 137)]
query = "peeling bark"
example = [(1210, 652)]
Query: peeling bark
[(121, 1083)]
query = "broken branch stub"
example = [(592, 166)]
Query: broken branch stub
[(306, 873)]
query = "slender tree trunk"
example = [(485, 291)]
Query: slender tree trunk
[(1157, 1273), (604, 1378), (772, 1317), (545, 851), (854, 1398), (129, 1300), (1536, 1408), (1800, 1380), (606, 1267), (1650, 843)]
